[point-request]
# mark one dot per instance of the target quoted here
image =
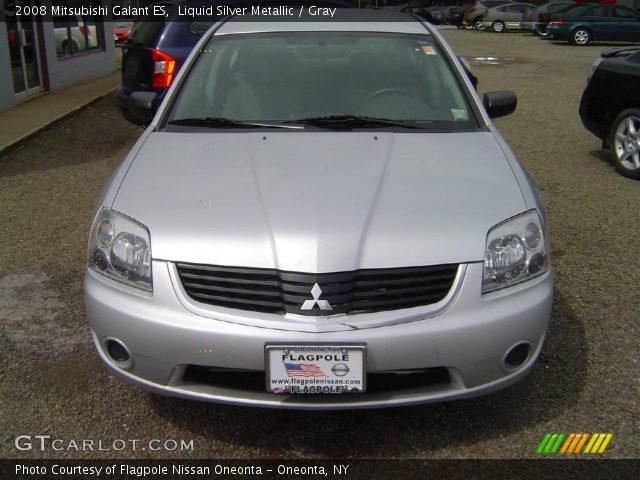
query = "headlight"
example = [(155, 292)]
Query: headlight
[(120, 248), (515, 251)]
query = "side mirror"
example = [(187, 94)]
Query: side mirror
[(499, 104), (141, 107)]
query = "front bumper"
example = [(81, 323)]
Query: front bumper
[(469, 339)]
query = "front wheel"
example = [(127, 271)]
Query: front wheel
[(498, 26), (478, 24), (540, 32), (625, 143), (581, 37)]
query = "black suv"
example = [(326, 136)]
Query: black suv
[(156, 49)]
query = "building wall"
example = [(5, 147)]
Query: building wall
[(65, 71), (60, 72), (7, 97)]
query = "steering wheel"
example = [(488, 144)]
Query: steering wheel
[(391, 91)]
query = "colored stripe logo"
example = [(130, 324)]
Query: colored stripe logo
[(573, 443)]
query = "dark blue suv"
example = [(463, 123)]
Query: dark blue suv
[(156, 49)]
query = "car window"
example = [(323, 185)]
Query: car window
[(573, 10), (555, 7), (493, 3), (286, 76), (597, 12), (200, 27), (146, 31), (622, 12)]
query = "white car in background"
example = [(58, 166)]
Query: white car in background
[(74, 35), (506, 17)]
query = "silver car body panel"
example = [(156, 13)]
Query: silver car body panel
[(319, 202), (164, 338)]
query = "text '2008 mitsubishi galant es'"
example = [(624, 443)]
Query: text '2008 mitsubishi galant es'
[(320, 215)]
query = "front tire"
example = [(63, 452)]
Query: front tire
[(580, 37), (477, 22), (624, 139), (498, 26), (541, 33)]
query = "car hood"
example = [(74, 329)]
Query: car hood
[(320, 202)]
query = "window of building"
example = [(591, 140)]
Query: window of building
[(78, 34)]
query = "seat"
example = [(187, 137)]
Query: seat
[(265, 86)]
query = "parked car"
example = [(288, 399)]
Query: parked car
[(610, 107), (320, 216), (537, 20), (473, 15), (582, 25), (156, 49), (421, 12), (121, 30), (506, 17), (440, 13), (456, 16), (73, 35)]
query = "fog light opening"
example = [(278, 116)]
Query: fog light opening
[(118, 352), (516, 356)]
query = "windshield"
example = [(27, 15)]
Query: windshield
[(330, 76)]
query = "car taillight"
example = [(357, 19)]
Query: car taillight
[(558, 21), (163, 67)]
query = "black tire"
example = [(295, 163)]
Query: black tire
[(541, 33), (477, 24), (580, 37), (70, 48), (625, 143), (498, 26)]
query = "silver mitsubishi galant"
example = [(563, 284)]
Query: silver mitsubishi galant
[(320, 215)]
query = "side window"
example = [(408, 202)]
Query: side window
[(200, 27), (75, 34), (597, 12), (621, 12)]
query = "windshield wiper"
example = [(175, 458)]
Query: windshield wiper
[(354, 121), (221, 122)]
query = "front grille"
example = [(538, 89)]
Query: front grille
[(254, 380), (275, 291)]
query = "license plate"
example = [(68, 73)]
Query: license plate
[(315, 369)]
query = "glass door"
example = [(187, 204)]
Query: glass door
[(22, 37)]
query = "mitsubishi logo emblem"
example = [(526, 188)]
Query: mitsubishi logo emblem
[(316, 291)]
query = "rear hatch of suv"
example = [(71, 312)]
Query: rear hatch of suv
[(139, 55)]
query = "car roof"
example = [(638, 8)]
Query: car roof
[(344, 20)]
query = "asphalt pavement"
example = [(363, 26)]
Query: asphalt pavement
[(52, 383)]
